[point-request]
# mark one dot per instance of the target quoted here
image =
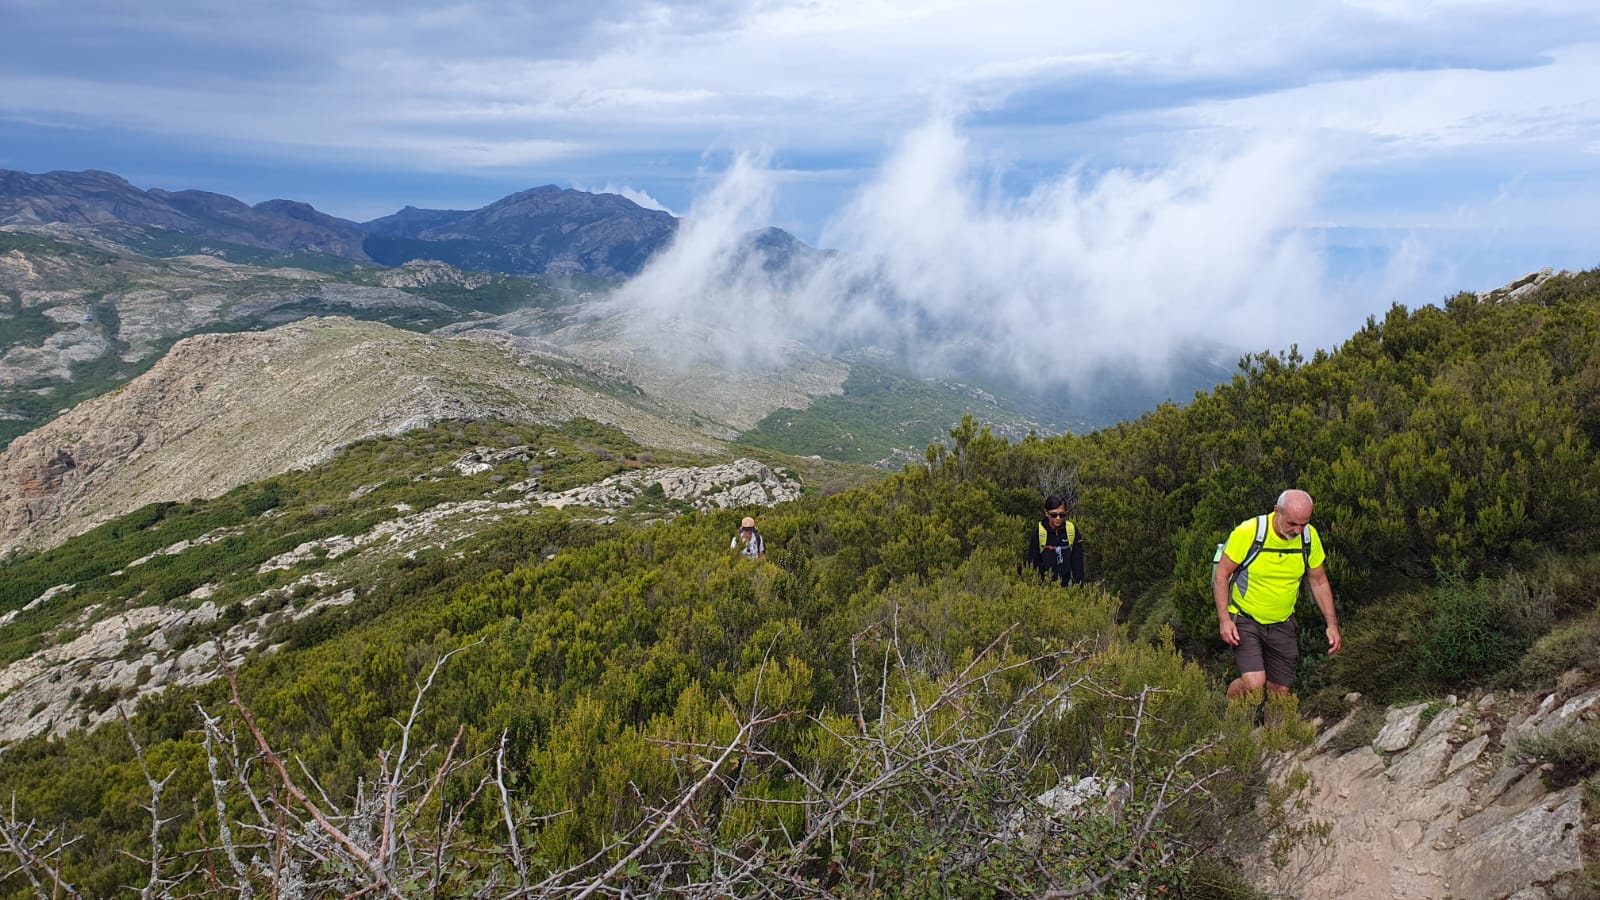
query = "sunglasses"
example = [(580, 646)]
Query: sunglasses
[(1059, 515)]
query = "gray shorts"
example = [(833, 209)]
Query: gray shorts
[(1274, 649)]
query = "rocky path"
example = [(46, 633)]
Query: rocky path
[(1438, 805)]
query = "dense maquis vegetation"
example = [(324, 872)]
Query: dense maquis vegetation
[(878, 415), (591, 664), (863, 712)]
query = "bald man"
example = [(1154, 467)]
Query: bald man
[(1255, 602)]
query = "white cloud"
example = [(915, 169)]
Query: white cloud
[(1421, 111), (1084, 270), (638, 196), (1161, 107)]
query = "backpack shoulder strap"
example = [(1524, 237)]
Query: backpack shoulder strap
[(1256, 544), (1044, 537), (1255, 547), (1072, 532)]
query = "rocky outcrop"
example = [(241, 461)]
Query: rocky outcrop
[(222, 410), (115, 659), (1525, 286), (53, 359), (744, 482), (1439, 804), (428, 272)]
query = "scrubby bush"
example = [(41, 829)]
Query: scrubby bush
[(1574, 646), (1478, 628), (1573, 753)]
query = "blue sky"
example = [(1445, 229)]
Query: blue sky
[(1401, 150)]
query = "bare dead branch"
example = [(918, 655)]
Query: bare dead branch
[(328, 828), (34, 855)]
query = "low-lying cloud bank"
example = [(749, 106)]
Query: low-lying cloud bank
[(944, 268)]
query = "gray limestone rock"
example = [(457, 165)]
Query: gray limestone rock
[(1526, 849), (1553, 717), (1400, 728), (1441, 814), (1467, 754)]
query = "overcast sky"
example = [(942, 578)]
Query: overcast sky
[(1383, 150)]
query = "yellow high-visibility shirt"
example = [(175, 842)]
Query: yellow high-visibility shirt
[(1268, 590)]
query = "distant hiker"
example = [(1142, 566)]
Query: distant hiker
[(1256, 584), (1055, 547), (747, 540)]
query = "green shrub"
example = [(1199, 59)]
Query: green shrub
[(1573, 753), (1571, 580), (1209, 879), (1479, 628), (1379, 657)]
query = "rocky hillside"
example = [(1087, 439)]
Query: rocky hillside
[(77, 318), (94, 658), (222, 410)]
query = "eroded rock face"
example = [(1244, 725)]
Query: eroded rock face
[(1442, 807), (53, 359), (428, 272)]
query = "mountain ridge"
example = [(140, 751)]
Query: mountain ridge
[(92, 197), (545, 229)]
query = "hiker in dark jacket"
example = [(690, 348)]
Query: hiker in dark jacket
[(1055, 548)]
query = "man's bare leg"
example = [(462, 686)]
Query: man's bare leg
[(1248, 684)]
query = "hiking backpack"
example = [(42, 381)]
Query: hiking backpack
[(1066, 526)]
